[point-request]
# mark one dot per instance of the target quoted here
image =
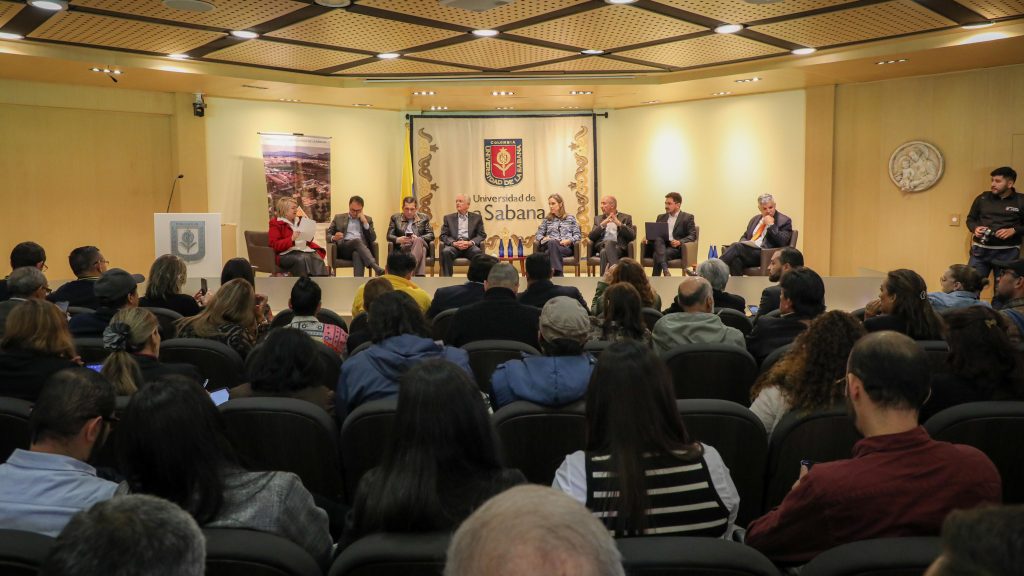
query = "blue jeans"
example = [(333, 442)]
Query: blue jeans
[(982, 258)]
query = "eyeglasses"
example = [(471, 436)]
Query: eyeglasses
[(45, 267), (104, 261)]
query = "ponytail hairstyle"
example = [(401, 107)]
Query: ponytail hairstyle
[(128, 333)]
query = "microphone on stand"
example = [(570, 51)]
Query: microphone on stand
[(173, 184)]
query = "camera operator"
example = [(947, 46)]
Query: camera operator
[(997, 221)]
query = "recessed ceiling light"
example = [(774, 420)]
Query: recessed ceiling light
[(438, 107), (748, 80), (117, 72), (95, 69), (388, 56), (10, 36), (977, 25), (288, 100), (246, 34), (363, 105), (570, 107), (486, 33), (189, 5), (504, 108), (424, 93), (503, 93), (591, 52), (178, 56), (49, 4), (334, 3), (884, 62), (619, 1), (804, 51), (650, 101), (728, 28), (721, 93), (580, 93)]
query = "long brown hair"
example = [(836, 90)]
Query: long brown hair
[(630, 271), (910, 303), (39, 326), (623, 314), (561, 207), (807, 375), (233, 303), (166, 277), (981, 351)]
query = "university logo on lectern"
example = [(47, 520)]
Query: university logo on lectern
[(188, 240), (503, 162)]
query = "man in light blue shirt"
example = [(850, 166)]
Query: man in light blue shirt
[(43, 487)]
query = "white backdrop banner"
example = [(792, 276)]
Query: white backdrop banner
[(507, 166)]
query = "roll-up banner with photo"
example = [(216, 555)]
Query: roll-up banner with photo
[(507, 166), (298, 166)]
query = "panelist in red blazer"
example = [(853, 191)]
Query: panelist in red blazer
[(295, 255)]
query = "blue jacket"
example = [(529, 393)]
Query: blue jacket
[(544, 380), (374, 373)]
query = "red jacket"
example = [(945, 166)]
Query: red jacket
[(280, 239)]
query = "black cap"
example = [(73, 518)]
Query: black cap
[(1015, 265)]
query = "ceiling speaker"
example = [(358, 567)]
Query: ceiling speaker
[(190, 5)]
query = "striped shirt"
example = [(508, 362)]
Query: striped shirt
[(559, 229), (696, 498)]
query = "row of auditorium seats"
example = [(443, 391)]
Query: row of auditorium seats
[(232, 552)]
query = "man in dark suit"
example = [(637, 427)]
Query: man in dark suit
[(802, 300), (717, 274), (464, 294), (498, 316), (612, 235), (682, 229), (462, 234), (410, 231), (24, 254), (353, 235), (769, 229), (782, 261), (540, 288)]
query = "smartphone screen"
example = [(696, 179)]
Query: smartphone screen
[(753, 309), (94, 367), (220, 396), (63, 305), (202, 286)]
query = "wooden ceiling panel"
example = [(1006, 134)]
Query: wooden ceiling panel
[(278, 55), (593, 64), (857, 24), (742, 12), (8, 10), (608, 27), (402, 66), (230, 14), (351, 30), (96, 30), (493, 53), (432, 10), (995, 8), (702, 51)]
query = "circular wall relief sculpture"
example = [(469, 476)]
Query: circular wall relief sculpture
[(916, 166)]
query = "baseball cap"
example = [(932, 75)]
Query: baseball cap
[(1016, 266), (564, 317), (116, 283)]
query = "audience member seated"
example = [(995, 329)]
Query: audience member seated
[(810, 376), (400, 267), (42, 487), (900, 482), (133, 338), (401, 338), (114, 290), (638, 448), (129, 535), (166, 277), (24, 254), (561, 375), (782, 261), (241, 268), (530, 530), (441, 462), (87, 264), (499, 316), (986, 541), (287, 365), (448, 297), (802, 300), (296, 256), (961, 284), (540, 288), (631, 272), (717, 273), (359, 335), (305, 302), (37, 344), (696, 323), (982, 364), (622, 318), (1010, 288), (232, 316), (23, 284), (903, 306), (171, 444)]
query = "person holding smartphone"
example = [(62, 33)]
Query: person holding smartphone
[(409, 231)]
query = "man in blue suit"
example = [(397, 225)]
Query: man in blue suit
[(769, 229), (468, 293)]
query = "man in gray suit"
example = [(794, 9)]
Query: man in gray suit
[(353, 234), (410, 231), (612, 235), (462, 234)]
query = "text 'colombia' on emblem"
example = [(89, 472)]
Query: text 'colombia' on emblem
[(503, 162)]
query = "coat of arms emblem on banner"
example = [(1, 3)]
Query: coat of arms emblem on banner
[(188, 240), (503, 162)]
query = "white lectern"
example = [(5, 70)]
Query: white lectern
[(195, 238)]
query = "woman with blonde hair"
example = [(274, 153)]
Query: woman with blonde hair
[(299, 257), (133, 338), (557, 233), (232, 317), (166, 277), (631, 272), (36, 344)]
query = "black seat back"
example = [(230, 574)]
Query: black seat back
[(21, 553), (688, 556), (774, 357), (712, 371), (215, 360), (14, 429), (366, 433), (880, 557), (938, 352), (233, 552), (595, 347), (385, 554), (90, 348), (735, 319), (166, 318), (441, 323), (651, 317), (536, 439), (486, 355)]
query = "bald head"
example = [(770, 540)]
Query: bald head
[(695, 295), (609, 205)]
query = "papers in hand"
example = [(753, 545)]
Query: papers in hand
[(304, 231)]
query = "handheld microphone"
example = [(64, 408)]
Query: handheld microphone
[(173, 184)]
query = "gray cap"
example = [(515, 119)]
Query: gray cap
[(116, 283), (564, 317)]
